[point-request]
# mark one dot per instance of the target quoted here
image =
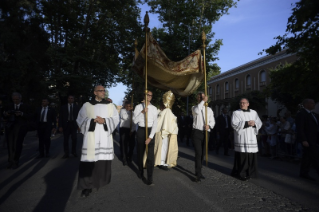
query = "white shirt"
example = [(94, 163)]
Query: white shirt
[(45, 113), (199, 117), (139, 117), (126, 119)]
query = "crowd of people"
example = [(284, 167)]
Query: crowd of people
[(156, 141)]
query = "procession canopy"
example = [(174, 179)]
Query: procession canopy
[(182, 77)]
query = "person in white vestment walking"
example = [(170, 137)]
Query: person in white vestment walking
[(97, 120), (246, 125), (166, 148)]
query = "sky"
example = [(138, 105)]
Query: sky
[(245, 31)]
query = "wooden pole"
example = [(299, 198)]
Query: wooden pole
[(206, 104), (146, 21)]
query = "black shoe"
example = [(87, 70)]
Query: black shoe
[(86, 192), (150, 183), (15, 166), (307, 177), (140, 176), (197, 179), (40, 156), (9, 166), (65, 156), (242, 178), (74, 154)]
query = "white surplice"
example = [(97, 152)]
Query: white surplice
[(245, 139), (97, 145)]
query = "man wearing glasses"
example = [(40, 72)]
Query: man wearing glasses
[(142, 141), (246, 125), (97, 120)]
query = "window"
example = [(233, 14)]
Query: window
[(226, 86), (248, 81), (262, 76), (210, 90), (217, 89), (236, 84)]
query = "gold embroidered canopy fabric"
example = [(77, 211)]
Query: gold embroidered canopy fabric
[(182, 77)]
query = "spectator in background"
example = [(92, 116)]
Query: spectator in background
[(307, 124), (46, 123), (17, 115), (67, 125), (223, 128), (271, 131)]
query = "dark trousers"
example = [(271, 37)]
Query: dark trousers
[(124, 142), (223, 141), (199, 141), (71, 129), (310, 157), (131, 145), (15, 135), (44, 134), (140, 152)]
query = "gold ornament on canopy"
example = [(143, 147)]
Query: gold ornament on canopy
[(168, 99)]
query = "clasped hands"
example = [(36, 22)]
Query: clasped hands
[(251, 123), (99, 120)]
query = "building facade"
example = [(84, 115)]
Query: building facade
[(248, 77)]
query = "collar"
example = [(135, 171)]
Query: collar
[(307, 110), (94, 101), (248, 110)]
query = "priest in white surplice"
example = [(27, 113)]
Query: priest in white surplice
[(246, 124), (97, 120)]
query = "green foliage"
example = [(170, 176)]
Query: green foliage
[(292, 83), (65, 47), (256, 100)]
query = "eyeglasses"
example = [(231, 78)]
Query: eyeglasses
[(243, 103), (100, 90), (149, 95)]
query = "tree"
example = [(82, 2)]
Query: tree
[(290, 84)]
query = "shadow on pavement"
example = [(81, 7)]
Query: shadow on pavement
[(39, 165), (59, 183)]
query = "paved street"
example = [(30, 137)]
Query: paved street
[(50, 185)]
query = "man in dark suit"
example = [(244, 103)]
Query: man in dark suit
[(223, 128), (181, 122), (67, 125), (17, 115), (307, 124), (45, 118)]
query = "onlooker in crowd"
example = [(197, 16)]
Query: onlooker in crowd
[(263, 137), (67, 125), (223, 128), (307, 124), (181, 122), (45, 118), (271, 131), (289, 118), (17, 115), (127, 128), (285, 135)]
